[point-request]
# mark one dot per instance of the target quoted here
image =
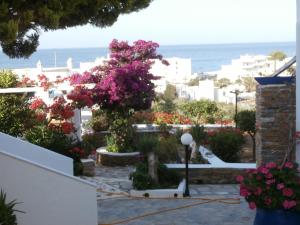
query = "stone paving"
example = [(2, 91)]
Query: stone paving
[(115, 206)]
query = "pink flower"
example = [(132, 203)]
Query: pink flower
[(268, 201), (288, 192), (263, 170), (239, 178), (258, 191), (289, 204), (244, 192), (280, 186), (271, 165), (269, 182), (289, 165), (252, 205), (269, 175)]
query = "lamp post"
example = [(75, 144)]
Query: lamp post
[(236, 92), (186, 140)]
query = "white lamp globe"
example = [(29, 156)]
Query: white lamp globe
[(186, 139)]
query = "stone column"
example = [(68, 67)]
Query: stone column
[(275, 121), (298, 81)]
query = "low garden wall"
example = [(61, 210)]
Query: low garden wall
[(212, 175)]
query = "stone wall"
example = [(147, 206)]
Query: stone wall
[(275, 122), (212, 175)]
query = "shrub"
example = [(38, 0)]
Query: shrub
[(199, 135), (15, 115), (167, 149), (147, 143), (99, 121), (226, 144), (7, 211), (141, 180), (90, 142), (167, 177), (203, 111)]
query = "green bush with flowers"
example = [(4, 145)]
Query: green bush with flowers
[(272, 186)]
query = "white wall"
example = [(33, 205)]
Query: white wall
[(48, 197), (36, 154)]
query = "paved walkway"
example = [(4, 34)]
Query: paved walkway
[(115, 207)]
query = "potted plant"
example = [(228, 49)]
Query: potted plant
[(274, 191)]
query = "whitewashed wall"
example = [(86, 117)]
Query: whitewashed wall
[(36, 154), (48, 197)]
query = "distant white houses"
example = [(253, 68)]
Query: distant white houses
[(249, 66), (179, 73)]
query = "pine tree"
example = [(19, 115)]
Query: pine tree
[(22, 20)]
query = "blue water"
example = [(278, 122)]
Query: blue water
[(204, 57)]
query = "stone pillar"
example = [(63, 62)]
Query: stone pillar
[(298, 81), (275, 122)]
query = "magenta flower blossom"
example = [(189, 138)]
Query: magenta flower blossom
[(288, 192), (289, 204), (271, 165), (280, 186), (252, 205), (239, 178)]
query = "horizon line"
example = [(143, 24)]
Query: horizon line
[(170, 45)]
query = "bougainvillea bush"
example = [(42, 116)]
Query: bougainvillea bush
[(272, 186), (122, 85)]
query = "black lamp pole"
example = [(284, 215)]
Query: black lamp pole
[(236, 92), (187, 191)]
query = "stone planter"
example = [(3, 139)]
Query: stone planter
[(88, 167), (106, 158), (276, 217)]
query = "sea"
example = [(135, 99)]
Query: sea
[(204, 57)]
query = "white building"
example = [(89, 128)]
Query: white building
[(178, 72), (249, 65)]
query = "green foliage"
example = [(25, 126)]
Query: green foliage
[(226, 144), (246, 121), (199, 134), (51, 139), (167, 177), (7, 210), (226, 111), (99, 121), (148, 143), (203, 111), (141, 180), (223, 82), (249, 83), (170, 92), (15, 116), (167, 149), (90, 142), (77, 168), (194, 82), (121, 133), (277, 55), (167, 106), (21, 22)]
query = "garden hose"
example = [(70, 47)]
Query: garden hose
[(203, 201)]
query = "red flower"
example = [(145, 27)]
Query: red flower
[(289, 165), (67, 127), (239, 178), (288, 192)]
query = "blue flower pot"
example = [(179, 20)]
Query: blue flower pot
[(276, 217)]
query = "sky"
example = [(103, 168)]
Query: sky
[(175, 22)]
